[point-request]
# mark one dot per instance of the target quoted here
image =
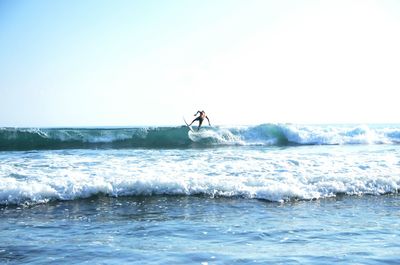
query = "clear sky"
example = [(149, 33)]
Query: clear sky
[(121, 63)]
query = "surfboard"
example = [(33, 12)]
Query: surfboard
[(187, 125)]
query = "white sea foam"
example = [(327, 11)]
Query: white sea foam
[(270, 174), (332, 135), (283, 134)]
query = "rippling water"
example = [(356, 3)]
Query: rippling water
[(239, 204), (201, 230)]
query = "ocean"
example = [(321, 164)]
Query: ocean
[(263, 194)]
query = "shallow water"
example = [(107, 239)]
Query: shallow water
[(201, 230)]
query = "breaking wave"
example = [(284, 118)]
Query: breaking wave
[(180, 137)]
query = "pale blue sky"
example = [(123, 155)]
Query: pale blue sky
[(121, 63)]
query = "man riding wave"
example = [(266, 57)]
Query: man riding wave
[(201, 118)]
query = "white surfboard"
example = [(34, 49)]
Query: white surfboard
[(190, 127)]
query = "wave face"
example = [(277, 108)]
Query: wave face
[(13, 139)]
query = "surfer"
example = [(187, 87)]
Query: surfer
[(201, 118)]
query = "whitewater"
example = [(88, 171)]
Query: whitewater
[(223, 195)]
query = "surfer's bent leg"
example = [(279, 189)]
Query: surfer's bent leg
[(198, 118), (200, 123)]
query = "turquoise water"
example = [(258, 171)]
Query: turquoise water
[(280, 194)]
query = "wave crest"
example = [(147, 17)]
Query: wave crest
[(180, 137)]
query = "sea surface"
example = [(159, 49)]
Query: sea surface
[(265, 194)]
